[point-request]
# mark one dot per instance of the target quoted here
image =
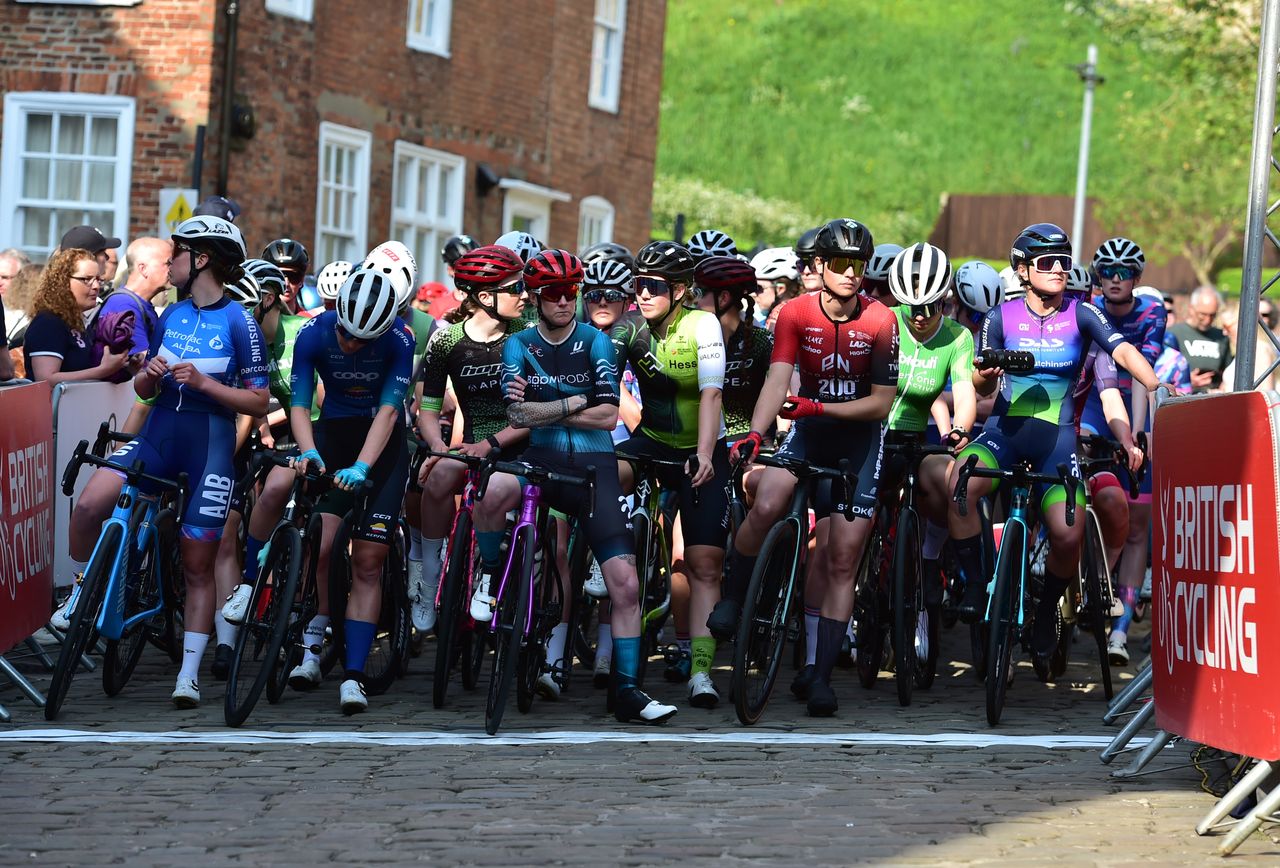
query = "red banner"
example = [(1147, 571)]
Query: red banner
[(1215, 586), (26, 520)]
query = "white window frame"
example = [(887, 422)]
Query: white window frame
[(83, 2), (361, 141), (433, 37), (531, 202), (16, 108), (430, 267), (604, 86), (599, 210), (300, 9)]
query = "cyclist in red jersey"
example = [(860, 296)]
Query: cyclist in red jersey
[(845, 347)]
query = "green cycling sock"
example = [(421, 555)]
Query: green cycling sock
[(704, 652)]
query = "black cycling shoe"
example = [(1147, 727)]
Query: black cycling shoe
[(723, 620), (221, 662), (1044, 642), (822, 699), (633, 705), (973, 603), (679, 667), (803, 681)]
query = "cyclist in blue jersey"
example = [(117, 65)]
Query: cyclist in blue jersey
[(207, 363), (362, 353), (562, 385), (1033, 414)]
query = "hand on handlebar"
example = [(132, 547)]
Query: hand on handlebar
[(351, 478), (746, 449), (308, 460), (700, 469), (796, 407), (1136, 457)]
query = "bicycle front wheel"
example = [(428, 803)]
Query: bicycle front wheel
[(869, 648), (906, 585), (142, 593), (511, 620), (768, 613), (1004, 619), (80, 633), (390, 652), (451, 623), (1097, 596)]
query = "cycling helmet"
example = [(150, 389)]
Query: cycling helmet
[(881, 259), (486, 267), (1149, 292), (609, 274), (522, 243), (1119, 251), (367, 304), (270, 279), (245, 290), (710, 242), (395, 261), (920, 274), (331, 278), (608, 251), (978, 286), (1079, 281), (844, 237), (456, 246), (776, 263), (1036, 240), (666, 259), (805, 243), (552, 268), (1013, 287), (218, 238), (725, 274), (287, 255)]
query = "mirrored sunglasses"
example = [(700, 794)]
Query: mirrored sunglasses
[(604, 296), (841, 264), (1045, 262)]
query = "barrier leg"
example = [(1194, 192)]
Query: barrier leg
[(36, 697), (1126, 697), (1241, 791), (40, 654), (1251, 823), (1124, 736), (85, 663), (1148, 753), (5, 717)]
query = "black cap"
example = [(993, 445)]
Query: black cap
[(87, 238), (218, 206)]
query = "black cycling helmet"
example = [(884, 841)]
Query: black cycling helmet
[(844, 237), (666, 259), (608, 251), (1037, 240), (805, 243), (455, 246), (287, 255)]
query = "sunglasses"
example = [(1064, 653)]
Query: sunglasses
[(1117, 272), (295, 276), (559, 292), (179, 248), (804, 264), (347, 336), (604, 296), (516, 287), (841, 264), (652, 285), (1045, 262), (924, 310)]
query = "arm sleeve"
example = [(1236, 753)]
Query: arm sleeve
[(1153, 334), (302, 376), (884, 352), (621, 336), (1094, 326), (786, 336), (251, 352), (605, 388), (47, 336), (512, 363), (1105, 375), (710, 338), (991, 336), (399, 369), (962, 358), (435, 371)]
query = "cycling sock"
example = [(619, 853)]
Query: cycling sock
[(626, 661), (225, 631), (969, 554), (431, 556), (830, 636), (193, 645), (935, 536), (415, 544), (848, 631), (810, 636), (604, 637), (703, 654), (252, 548), (738, 576), (555, 644), (1128, 596), (359, 637), (489, 542), (931, 575), (313, 636)]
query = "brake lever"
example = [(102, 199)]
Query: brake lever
[(693, 471), (1069, 482), (591, 491), (73, 468), (961, 494), (183, 486), (846, 476)]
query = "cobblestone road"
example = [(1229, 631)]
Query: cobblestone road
[(162, 802)]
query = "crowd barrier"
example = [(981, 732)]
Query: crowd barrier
[(27, 492)]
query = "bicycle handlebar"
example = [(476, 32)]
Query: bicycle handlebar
[(648, 462), (1019, 476), (1115, 454), (106, 436), (540, 476), (133, 474), (804, 471)]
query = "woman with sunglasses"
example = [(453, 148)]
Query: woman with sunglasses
[(57, 349), (363, 355), (1034, 414)]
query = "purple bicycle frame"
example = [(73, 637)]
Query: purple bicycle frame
[(531, 500)]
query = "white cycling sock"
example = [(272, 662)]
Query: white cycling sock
[(934, 538), (432, 562), (225, 630), (415, 544), (193, 645), (314, 635), (556, 642)]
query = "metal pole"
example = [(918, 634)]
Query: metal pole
[(1264, 119), (1088, 72)]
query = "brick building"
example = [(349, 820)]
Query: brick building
[(350, 122)]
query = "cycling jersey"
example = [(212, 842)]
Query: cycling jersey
[(1098, 375), (476, 371), (280, 361), (355, 384), (673, 370), (421, 325), (924, 368), (222, 341), (747, 357), (1143, 326), (580, 364), (838, 361)]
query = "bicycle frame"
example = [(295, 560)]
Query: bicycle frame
[(111, 623), (648, 498), (1018, 509), (530, 507)]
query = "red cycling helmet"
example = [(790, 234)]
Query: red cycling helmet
[(552, 267), (485, 267), (725, 273)]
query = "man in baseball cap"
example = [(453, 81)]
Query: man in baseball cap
[(88, 238), (218, 206)]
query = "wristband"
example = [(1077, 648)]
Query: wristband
[(493, 441)]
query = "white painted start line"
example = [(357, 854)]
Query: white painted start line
[(320, 738)]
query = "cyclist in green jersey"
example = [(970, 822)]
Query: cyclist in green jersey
[(677, 355)]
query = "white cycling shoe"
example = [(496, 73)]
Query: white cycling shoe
[(306, 675), (186, 693), (351, 697), (236, 607), (482, 601)]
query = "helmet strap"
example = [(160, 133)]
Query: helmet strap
[(491, 310)]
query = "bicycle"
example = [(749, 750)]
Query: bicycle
[(773, 610), (527, 602), (123, 590), (1005, 617)]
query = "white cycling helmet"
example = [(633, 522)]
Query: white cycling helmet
[(609, 274), (776, 263), (367, 304), (881, 260), (395, 261), (1149, 292), (214, 236), (1013, 287), (711, 242), (330, 279), (1079, 280), (245, 290), (524, 244), (920, 274), (978, 286), (269, 276)]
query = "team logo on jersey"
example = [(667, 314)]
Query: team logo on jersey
[(833, 362), (578, 347), (650, 364), (215, 343)]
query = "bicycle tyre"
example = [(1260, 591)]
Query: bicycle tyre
[(927, 669), (451, 623), (546, 609), (169, 638), (339, 588), (767, 613), (142, 592), (512, 615), (1003, 627), (390, 652), (80, 632), (869, 653), (1097, 597), (260, 640), (904, 605)]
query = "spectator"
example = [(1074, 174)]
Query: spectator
[(1264, 352), (90, 239), (1206, 347), (22, 289), (148, 276), (109, 270), (6, 363), (218, 206), (11, 262), (57, 348)]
